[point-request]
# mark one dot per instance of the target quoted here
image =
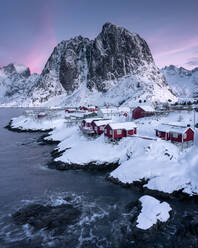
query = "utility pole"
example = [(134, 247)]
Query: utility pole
[(194, 117)]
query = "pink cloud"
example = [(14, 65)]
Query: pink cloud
[(46, 41)]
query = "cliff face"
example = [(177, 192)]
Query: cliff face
[(116, 64), (115, 53)]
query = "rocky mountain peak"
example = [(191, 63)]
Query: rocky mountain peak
[(114, 53), (18, 69), (117, 64)]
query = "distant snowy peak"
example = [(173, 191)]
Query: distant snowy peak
[(80, 68), (183, 82), (16, 82), (15, 69)]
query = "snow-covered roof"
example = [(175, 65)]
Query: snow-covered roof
[(168, 128), (123, 125), (91, 106), (42, 113), (89, 120), (147, 108), (176, 129), (178, 124), (114, 110), (108, 110), (102, 122), (71, 109)]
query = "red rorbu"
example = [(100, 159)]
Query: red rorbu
[(120, 130), (175, 133), (99, 125), (142, 111), (86, 125)]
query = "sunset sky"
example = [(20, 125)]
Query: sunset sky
[(31, 29)]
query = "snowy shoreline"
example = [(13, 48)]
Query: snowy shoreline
[(155, 166)]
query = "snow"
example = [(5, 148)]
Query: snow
[(167, 167), (152, 212), (147, 108), (183, 82), (31, 122), (84, 150), (20, 68), (102, 122), (123, 125), (89, 120), (172, 128)]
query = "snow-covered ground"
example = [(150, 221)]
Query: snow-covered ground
[(32, 122), (167, 167), (152, 212)]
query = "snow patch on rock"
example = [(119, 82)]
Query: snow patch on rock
[(152, 211)]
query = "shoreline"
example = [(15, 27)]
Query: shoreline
[(136, 185)]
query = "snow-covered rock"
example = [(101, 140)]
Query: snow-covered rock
[(152, 211), (116, 67), (160, 165), (183, 82), (16, 83)]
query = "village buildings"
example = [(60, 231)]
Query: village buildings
[(120, 130), (175, 132), (142, 111), (99, 125)]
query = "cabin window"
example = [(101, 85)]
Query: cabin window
[(102, 128), (105, 131), (111, 132), (95, 128), (119, 132), (185, 136), (175, 135)]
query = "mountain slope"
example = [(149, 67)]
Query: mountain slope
[(16, 83), (117, 63), (116, 67), (183, 82)]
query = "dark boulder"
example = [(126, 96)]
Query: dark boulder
[(55, 218)]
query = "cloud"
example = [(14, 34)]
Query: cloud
[(192, 61)]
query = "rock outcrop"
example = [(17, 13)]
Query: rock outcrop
[(116, 67)]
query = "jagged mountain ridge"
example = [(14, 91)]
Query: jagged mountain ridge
[(183, 82), (116, 67), (16, 83), (80, 68)]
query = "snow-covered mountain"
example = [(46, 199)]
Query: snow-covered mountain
[(16, 83), (116, 67), (183, 82)]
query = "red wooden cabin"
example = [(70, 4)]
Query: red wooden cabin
[(99, 125), (41, 115), (120, 130), (86, 125), (92, 109), (162, 132), (83, 108), (143, 111), (175, 133), (70, 110)]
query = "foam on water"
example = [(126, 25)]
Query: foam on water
[(95, 228)]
